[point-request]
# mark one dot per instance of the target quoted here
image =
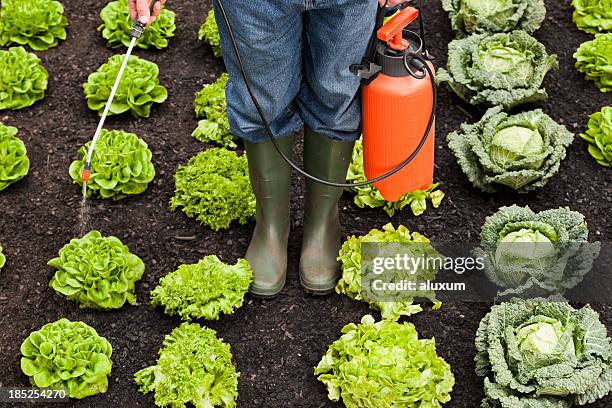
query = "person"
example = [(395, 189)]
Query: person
[(297, 54)]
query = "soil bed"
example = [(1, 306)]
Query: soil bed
[(275, 343)]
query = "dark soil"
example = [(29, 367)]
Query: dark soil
[(276, 342)]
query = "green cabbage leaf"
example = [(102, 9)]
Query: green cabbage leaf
[(209, 32), (594, 59), (385, 364), (593, 16), (194, 368), (204, 290), (504, 69), (14, 162), (599, 136), (23, 80), (2, 258), (210, 103), (69, 355)]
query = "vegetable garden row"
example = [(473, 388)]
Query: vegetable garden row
[(528, 353)]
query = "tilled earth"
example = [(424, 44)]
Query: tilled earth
[(276, 343)]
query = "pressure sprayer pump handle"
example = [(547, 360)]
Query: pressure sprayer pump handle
[(138, 28), (393, 32)]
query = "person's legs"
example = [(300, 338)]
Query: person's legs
[(269, 34), (337, 36)]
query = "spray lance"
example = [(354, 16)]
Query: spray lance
[(398, 104)]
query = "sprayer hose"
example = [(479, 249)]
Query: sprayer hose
[(270, 134)]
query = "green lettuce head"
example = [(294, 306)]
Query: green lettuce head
[(369, 196), (23, 80), (39, 24), (494, 16), (385, 364), (117, 26), (505, 69), (521, 152), (14, 162), (594, 58), (120, 166), (214, 188), (593, 16), (599, 136), (210, 103), (69, 355), (536, 353), (204, 290), (194, 368), (209, 32), (536, 254), (97, 272), (138, 91), (2, 258)]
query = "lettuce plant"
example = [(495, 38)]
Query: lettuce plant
[(593, 16), (542, 354), (369, 196), (117, 26), (14, 162), (521, 151), (69, 355), (2, 258), (505, 69), (494, 16), (351, 279), (194, 368), (209, 32), (120, 166), (138, 91), (536, 254), (599, 136), (214, 187), (23, 80), (594, 58), (210, 103), (39, 24), (97, 272), (385, 364), (204, 290)]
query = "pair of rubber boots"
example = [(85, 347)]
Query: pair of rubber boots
[(271, 181)]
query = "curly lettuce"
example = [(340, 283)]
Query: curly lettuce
[(210, 103), (120, 166), (214, 187), (521, 151), (117, 26), (505, 69), (543, 354), (385, 364), (369, 196), (194, 368), (351, 279), (594, 58), (23, 80), (593, 16), (2, 258), (14, 162), (69, 355), (97, 272), (204, 290), (209, 32), (599, 136), (138, 91), (39, 24), (494, 16)]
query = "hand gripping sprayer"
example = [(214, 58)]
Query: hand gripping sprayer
[(137, 30), (398, 109)]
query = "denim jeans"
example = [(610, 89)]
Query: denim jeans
[(297, 54)]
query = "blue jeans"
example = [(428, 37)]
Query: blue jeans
[(297, 54)]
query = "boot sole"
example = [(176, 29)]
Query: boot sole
[(267, 293), (317, 290)]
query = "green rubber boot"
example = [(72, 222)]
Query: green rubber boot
[(271, 182), (327, 159)]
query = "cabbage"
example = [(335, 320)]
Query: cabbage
[(23, 80), (505, 69), (2, 258), (14, 162), (210, 103), (599, 136), (594, 58), (593, 16), (209, 32), (521, 151)]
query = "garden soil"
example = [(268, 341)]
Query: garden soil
[(275, 343)]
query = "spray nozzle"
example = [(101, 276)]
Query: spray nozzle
[(86, 173)]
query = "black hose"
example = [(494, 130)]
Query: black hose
[(270, 134)]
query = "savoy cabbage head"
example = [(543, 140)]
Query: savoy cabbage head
[(594, 59), (194, 368), (23, 80), (39, 24), (599, 136), (521, 151), (494, 16), (209, 32), (593, 16), (210, 103), (536, 254), (542, 354), (504, 69), (14, 162)]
